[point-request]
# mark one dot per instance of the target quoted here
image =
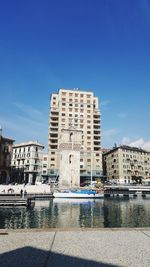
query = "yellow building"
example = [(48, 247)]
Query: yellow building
[(124, 164)]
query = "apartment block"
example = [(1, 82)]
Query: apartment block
[(77, 110), (5, 158), (124, 164), (27, 159)]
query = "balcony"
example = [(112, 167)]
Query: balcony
[(96, 115), (97, 148), (96, 122), (96, 127), (97, 132), (54, 120), (54, 130), (54, 125), (53, 136), (54, 114), (53, 146), (96, 138)]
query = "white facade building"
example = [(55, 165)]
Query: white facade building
[(28, 157)]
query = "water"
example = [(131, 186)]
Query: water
[(59, 213)]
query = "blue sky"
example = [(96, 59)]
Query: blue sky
[(99, 45)]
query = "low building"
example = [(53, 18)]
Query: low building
[(5, 158), (27, 159), (125, 164)]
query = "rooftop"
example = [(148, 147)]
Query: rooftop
[(137, 149), (29, 143)]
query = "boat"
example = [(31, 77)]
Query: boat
[(86, 193)]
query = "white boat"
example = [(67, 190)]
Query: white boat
[(86, 193)]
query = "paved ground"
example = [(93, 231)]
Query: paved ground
[(75, 248)]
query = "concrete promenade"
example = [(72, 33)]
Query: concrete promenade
[(75, 248)]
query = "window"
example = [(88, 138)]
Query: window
[(45, 158), (63, 114), (44, 166)]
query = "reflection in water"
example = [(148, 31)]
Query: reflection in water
[(62, 213)]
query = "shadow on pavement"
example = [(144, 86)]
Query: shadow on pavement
[(32, 257)]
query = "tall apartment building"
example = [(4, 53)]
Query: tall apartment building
[(78, 110), (125, 164), (27, 159)]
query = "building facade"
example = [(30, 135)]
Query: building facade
[(5, 158), (79, 110), (27, 159), (45, 167), (125, 164)]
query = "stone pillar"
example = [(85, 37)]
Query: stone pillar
[(69, 168)]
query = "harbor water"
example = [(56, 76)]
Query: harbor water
[(72, 213)]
